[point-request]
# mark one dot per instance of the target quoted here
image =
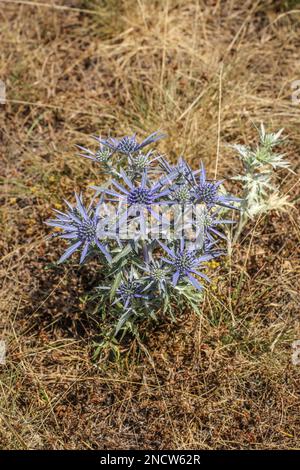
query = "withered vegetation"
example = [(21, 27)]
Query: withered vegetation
[(204, 72)]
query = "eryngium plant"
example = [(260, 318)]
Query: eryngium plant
[(155, 228), (260, 191)]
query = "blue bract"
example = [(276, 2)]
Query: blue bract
[(80, 225)]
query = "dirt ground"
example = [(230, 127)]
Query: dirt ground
[(204, 72)]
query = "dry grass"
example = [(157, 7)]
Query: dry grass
[(224, 380)]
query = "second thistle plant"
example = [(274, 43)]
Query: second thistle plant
[(260, 190)]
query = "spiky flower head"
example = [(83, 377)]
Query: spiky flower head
[(141, 195), (80, 225), (157, 274), (102, 155), (205, 217), (130, 289), (128, 145), (263, 156), (141, 163), (182, 194), (206, 224), (208, 192), (185, 263)]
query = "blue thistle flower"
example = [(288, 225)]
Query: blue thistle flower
[(128, 145), (207, 192), (185, 263), (80, 225), (129, 290), (183, 179), (141, 196), (102, 155), (156, 274), (140, 163), (182, 194), (206, 222)]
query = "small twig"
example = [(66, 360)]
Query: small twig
[(219, 119)]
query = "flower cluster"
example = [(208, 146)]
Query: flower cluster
[(165, 226)]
